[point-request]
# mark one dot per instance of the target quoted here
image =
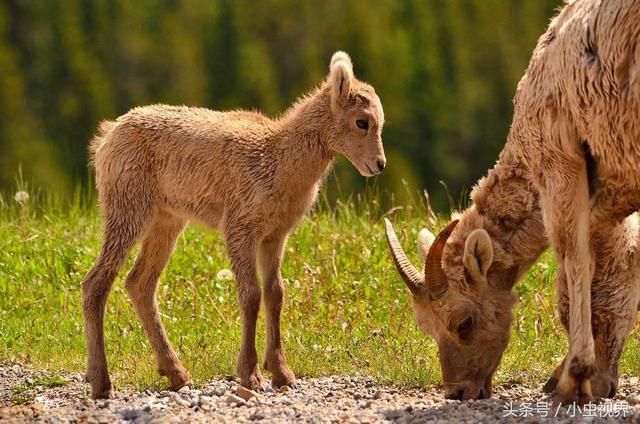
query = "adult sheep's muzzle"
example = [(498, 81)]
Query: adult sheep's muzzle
[(468, 390)]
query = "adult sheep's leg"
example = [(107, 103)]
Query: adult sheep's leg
[(121, 231), (141, 283), (613, 306), (270, 256), (566, 210), (562, 297), (242, 250)]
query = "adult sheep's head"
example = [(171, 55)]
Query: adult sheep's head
[(463, 300), (357, 116)]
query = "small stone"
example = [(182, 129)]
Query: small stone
[(103, 404), (267, 388), (258, 415), (285, 389), (234, 399), (178, 400), (129, 414), (245, 393), (634, 399), (220, 390), (184, 389), (205, 399), (377, 394)]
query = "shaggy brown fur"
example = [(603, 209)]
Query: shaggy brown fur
[(249, 176), (582, 87)]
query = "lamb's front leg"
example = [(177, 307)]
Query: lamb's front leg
[(242, 250), (270, 257), (567, 213)]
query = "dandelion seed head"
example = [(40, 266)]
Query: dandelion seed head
[(224, 275), (21, 196)]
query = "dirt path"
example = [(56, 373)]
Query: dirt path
[(30, 396)]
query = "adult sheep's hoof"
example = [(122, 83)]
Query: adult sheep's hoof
[(571, 390)]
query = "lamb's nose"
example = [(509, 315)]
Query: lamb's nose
[(381, 164)]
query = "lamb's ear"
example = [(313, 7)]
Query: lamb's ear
[(340, 75), (425, 239), (478, 255)]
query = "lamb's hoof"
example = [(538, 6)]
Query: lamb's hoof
[(102, 389), (254, 381), (178, 379), (284, 378), (550, 385)]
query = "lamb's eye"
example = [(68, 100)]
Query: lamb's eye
[(363, 124)]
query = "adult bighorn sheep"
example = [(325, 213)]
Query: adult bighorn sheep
[(249, 176), (576, 121)]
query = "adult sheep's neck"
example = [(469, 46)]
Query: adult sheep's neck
[(304, 132), (506, 205)]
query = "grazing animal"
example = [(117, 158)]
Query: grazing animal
[(576, 116), (240, 172), (615, 296)]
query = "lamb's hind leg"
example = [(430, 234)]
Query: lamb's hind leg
[(567, 213), (242, 250), (141, 283), (120, 234), (270, 257)]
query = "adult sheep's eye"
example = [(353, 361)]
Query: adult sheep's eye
[(363, 124), (465, 326)]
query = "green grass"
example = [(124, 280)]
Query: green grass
[(346, 309)]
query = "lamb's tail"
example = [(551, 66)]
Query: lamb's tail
[(98, 139)]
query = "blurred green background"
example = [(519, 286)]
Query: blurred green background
[(446, 71)]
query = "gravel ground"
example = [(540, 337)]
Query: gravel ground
[(32, 396)]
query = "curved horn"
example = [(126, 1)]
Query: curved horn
[(434, 276), (410, 275)]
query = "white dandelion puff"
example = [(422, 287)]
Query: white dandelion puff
[(224, 275), (21, 196)]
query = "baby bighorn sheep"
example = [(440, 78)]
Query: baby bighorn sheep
[(571, 159), (249, 176)]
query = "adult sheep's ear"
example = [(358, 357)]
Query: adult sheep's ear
[(425, 240), (340, 75), (478, 255)]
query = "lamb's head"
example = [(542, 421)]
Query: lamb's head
[(463, 300), (357, 118)]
